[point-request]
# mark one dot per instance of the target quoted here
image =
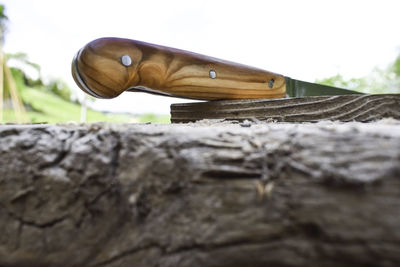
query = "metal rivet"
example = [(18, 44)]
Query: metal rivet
[(271, 83), (213, 74), (126, 60)]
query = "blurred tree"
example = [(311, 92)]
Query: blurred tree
[(385, 80), (8, 87), (396, 66), (396, 71), (3, 23), (339, 81), (56, 86), (22, 60), (59, 87)]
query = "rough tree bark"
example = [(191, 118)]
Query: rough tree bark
[(204, 194)]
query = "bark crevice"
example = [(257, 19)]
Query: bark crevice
[(202, 194)]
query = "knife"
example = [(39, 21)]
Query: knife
[(107, 67)]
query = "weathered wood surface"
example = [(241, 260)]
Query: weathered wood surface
[(322, 194), (305, 109)]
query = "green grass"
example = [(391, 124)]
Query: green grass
[(49, 108), (155, 118)]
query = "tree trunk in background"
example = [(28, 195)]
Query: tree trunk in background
[(84, 109), (8, 84), (1, 83), (325, 194)]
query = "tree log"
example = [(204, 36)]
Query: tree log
[(363, 108), (204, 194)]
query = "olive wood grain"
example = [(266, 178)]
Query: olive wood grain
[(314, 108), (168, 71)]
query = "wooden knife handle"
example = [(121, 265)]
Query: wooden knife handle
[(107, 67)]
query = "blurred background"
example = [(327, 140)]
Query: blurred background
[(349, 44)]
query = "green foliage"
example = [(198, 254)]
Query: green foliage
[(339, 81), (60, 88), (23, 58), (2, 12), (153, 118), (3, 22), (44, 107), (379, 81), (49, 108), (396, 66), (51, 102), (22, 80), (19, 78), (56, 85)]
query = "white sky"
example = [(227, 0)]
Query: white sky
[(306, 39)]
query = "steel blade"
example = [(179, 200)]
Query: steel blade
[(297, 88)]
